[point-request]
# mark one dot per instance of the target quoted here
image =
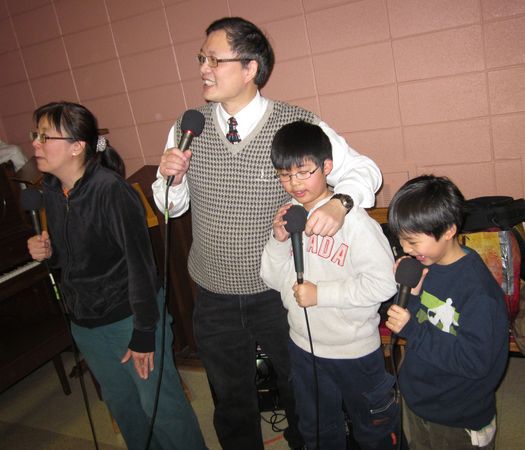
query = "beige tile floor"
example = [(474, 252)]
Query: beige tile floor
[(35, 414)]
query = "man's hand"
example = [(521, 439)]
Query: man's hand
[(39, 246), (175, 163), (397, 318), (326, 220), (143, 362), (305, 294)]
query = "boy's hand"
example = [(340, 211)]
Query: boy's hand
[(326, 220), (397, 318), (305, 294), (279, 232)]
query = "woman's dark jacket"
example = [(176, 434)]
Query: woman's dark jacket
[(101, 244)]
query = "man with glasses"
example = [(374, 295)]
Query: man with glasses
[(234, 194)]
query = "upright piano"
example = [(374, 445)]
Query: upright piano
[(33, 330)]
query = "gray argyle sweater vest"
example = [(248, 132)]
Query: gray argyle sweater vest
[(234, 197)]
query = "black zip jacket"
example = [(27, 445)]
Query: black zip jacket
[(101, 244)]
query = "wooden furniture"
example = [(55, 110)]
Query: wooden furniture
[(32, 328)]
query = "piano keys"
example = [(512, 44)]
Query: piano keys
[(33, 330)]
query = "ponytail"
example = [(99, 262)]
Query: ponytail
[(108, 157)]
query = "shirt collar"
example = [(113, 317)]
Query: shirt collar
[(247, 118)]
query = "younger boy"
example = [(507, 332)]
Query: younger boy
[(455, 325), (346, 276)]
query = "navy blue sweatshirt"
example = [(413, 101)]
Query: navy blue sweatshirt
[(457, 345)]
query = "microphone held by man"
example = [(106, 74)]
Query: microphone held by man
[(191, 126)]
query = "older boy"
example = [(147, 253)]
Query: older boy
[(347, 276), (455, 325)]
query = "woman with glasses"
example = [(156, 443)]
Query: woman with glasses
[(98, 237)]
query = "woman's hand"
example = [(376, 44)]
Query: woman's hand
[(39, 246), (143, 362)]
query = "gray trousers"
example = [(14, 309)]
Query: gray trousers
[(425, 435)]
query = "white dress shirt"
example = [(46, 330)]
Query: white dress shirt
[(352, 173)]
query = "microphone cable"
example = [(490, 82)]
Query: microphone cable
[(67, 320), (163, 316), (314, 369), (31, 201), (296, 218), (393, 344)]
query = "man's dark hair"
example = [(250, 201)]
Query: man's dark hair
[(247, 41), (299, 141), (426, 204)]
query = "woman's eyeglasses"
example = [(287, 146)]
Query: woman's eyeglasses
[(42, 137)]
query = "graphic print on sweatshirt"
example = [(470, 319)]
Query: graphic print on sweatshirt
[(326, 248), (441, 314)]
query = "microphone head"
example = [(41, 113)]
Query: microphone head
[(31, 199), (192, 120), (408, 272), (296, 219)]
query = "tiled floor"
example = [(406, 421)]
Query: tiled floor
[(35, 414)]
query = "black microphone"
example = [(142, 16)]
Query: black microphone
[(31, 201), (295, 222), (192, 125), (408, 274)]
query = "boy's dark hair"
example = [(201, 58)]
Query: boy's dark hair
[(248, 42), (426, 204), (299, 141)]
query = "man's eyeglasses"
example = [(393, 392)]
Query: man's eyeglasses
[(214, 62), (301, 175), (42, 137)]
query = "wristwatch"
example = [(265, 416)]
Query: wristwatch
[(346, 201)]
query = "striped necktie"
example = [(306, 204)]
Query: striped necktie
[(233, 134)]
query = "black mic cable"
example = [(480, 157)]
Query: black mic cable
[(31, 201), (407, 276), (296, 221), (192, 125), (163, 320)]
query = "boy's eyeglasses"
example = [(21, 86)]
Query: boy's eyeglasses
[(302, 175), (214, 62), (42, 137)]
